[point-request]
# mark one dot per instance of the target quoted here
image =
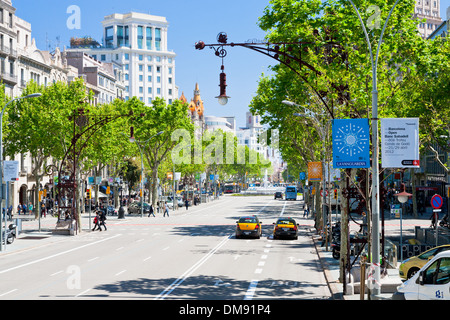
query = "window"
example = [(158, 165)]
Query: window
[(149, 78), (158, 90), (127, 56), (141, 57), (438, 272), (127, 37), (148, 35), (141, 89), (158, 39), (141, 67), (103, 57), (170, 70), (109, 37), (120, 36), (141, 78), (149, 90), (140, 37), (170, 80), (149, 68), (158, 79)]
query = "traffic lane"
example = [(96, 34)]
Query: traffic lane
[(99, 258), (226, 275), (291, 270)]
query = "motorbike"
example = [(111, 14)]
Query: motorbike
[(10, 234), (444, 224)]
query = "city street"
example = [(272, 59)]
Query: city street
[(193, 254)]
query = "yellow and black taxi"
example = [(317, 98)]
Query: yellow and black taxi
[(285, 228), (249, 226), (410, 266)]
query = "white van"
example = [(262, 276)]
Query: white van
[(432, 282)]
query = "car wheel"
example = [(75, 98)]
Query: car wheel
[(412, 272)]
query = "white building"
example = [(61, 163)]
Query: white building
[(429, 10), (254, 136), (226, 124), (21, 62), (138, 42)]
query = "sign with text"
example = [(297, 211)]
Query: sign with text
[(351, 143), (400, 143), (11, 170)]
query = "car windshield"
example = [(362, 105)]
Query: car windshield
[(428, 253), (247, 220), (290, 189), (286, 221)]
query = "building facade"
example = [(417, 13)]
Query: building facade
[(137, 42), (429, 10)]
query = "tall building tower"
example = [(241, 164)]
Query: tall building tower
[(138, 42), (427, 9), (196, 111)]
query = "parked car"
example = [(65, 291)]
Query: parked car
[(410, 266), (431, 282), (135, 207)]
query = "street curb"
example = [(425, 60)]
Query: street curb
[(336, 294)]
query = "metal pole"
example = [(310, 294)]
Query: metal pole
[(375, 146)]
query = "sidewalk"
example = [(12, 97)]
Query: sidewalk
[(389, 283)]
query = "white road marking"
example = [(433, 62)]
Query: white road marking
[(251, 290), (57, 255)]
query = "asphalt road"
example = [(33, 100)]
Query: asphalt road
[(193, 254)]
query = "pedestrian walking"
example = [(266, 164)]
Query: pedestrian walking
[(97, 222), (151, 211), (306, 213), (166, 209), (433, 220), (19, 209), (187, 204), (103, 219)]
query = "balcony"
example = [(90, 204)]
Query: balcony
[(8, 51), (9, 78)]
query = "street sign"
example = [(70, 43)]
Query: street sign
[(436, 201)]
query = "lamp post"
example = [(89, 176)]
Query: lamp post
[(375, 151), (402, 197), (323, 134), (34, 95), (138, 143)]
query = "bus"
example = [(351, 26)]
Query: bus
[(291, 193), (232, 188)]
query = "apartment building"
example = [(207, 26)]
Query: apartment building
[(429, 10), (137, 42)]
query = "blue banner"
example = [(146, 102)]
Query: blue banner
[(351, 143)]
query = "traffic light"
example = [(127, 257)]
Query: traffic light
[(335, 193), (88, 194)]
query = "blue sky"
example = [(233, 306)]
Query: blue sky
[(190, 21)]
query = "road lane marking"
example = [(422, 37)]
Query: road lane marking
[(6, 293), (58, 254), (90, 260), (191, 270), (147, 259), (118, 274), (82, 293), (251, 290), (54, 274)]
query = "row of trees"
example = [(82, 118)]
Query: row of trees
[(334, 79), (43, 128)]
